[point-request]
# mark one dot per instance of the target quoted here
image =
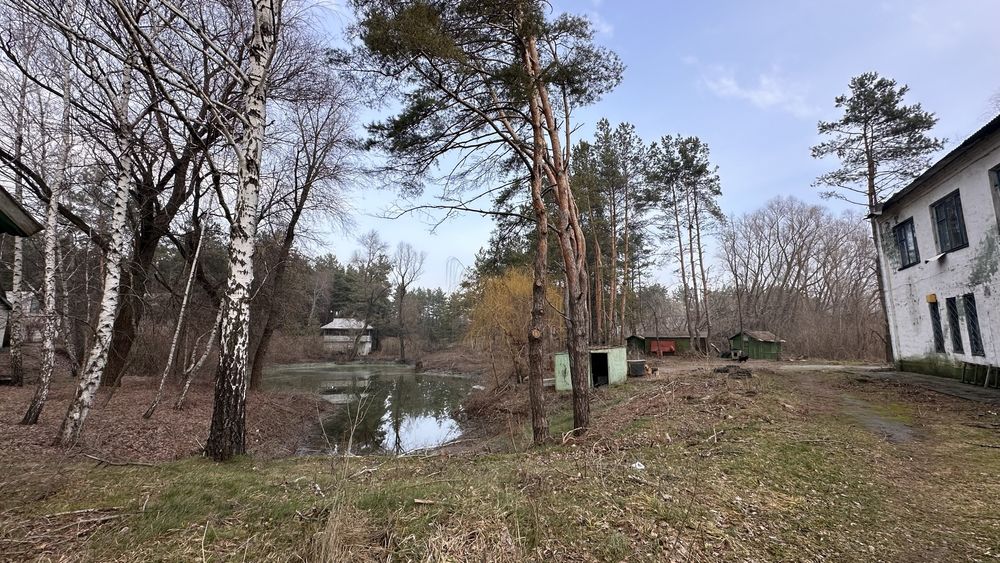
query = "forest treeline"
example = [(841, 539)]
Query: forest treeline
[(181, 154)]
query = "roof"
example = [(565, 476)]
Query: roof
[(670, 336), (14, 219), (760, 335), (989, 129), (346, 324)]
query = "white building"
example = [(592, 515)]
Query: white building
[(339, 335), (940, 249)]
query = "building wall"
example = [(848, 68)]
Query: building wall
[(756, 349), (336, 343), (972, 269)]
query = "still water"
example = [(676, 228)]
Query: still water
[(381, 408)]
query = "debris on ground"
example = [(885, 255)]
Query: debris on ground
[(735, 372)]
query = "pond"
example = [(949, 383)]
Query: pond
[(385, 408)]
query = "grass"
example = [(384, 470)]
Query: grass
[(769, 470)]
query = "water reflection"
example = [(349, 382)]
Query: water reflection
[(383, 409)]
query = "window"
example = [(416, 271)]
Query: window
[(936, 325), (972, 324), (949, 223), (906, 241), (951, 306)]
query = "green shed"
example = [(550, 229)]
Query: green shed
[(607, 367), (758, 344)]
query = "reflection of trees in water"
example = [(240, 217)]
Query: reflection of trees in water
[(386, 404)]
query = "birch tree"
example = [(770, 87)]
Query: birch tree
[(59, 185), (227, 434), (98, 355)]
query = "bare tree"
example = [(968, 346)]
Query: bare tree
[(407, 267)]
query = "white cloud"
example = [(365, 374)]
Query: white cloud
[(601, 25), (771, 90)]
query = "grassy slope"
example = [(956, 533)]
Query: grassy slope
[(768, 469)]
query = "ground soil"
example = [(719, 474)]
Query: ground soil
[(277, 423), (814, 464)]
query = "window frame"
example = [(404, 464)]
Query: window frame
[(952, 201), (898, 230)]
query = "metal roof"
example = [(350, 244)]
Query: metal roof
[(14, 219), (670, 336), (990, 128), (346, 324), (761, 335)]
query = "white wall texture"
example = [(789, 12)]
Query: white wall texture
[(973, 269)]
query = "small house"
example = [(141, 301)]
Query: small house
[(340, 335), (665, 345), (607, 367), (14, 220), (757, 344), (939, 244)]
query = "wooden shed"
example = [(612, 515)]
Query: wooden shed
[(667, 345), (608, 366), (758, 344), (14, 220)]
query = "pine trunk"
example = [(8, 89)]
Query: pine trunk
[(680, 259), (695, 342), (573, 248), (625, 269), (704, 276), (536, 332)]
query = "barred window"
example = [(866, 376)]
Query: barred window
[(972, 324), (936, 326), (951, 306)]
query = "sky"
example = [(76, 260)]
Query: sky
[(749, 78)]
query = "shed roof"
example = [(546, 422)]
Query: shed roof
[(990, 128), (670, 336), (760, 335), (14, 219), (346, 324)]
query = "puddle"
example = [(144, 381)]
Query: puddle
[(894, 431), (382, 409)]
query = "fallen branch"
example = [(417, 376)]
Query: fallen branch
[(995, 446), (82, 511), (105, 462)]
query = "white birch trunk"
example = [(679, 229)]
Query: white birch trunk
[(97, 359), (196, 365), (227, 434), (177, 329), (58, 184)]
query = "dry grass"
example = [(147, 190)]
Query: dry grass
[(688, 466)]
